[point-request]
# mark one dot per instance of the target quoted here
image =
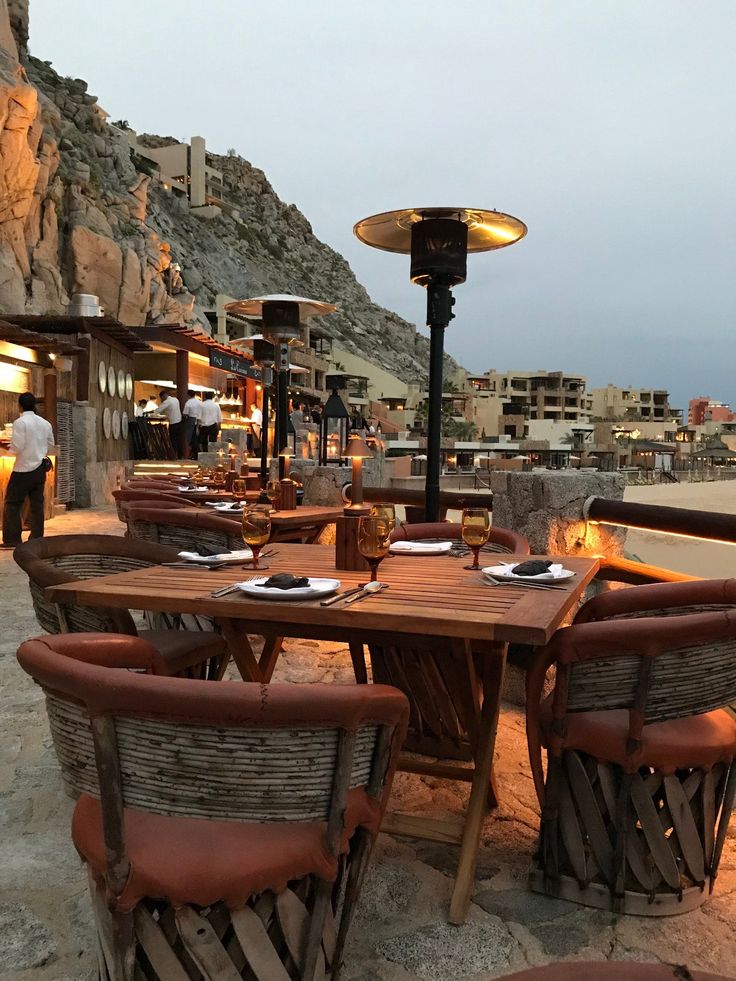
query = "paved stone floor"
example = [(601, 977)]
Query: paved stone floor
[(400, 930)]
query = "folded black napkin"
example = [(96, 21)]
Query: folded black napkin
[(532, 567), (284, 580)]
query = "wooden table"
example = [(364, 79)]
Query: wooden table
[(302, 524), (197, 497), (433, 598)]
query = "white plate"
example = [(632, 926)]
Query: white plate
[(195, 490), (111, 381), (128, 387), (102, 376), (121, 384), (106, 422), (505, 572), (315, 589), (420, 548), (242, 555), (124, 425)]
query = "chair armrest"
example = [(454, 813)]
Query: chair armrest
[(658, 596)]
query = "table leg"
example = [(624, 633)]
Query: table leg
[(477, 806), (240, 648), (269, 656), (357, 655)]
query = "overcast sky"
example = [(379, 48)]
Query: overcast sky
[(609, 127)]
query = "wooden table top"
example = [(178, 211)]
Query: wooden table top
[(295, 518), (428, 595)]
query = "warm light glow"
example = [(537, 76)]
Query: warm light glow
[(14, 379), (659, 531)]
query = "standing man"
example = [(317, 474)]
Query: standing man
[(209, 422), (256, 425), (31, 441), (172, 410), (192, 419)]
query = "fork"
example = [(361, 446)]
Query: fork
[(233, 587)]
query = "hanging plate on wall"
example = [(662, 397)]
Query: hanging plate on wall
[(129, 386), (121, 384), (116, 424), (106, 422), (111, 381), (102, 376), (124, 424)]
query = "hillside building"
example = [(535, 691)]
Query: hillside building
[(633, 405)]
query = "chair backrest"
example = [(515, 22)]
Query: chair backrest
[(125, 495), (674, 659), (242, 753), (65, 558), (184, 529), (499, 539)]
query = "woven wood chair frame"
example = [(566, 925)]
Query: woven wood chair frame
[(232, 774), (636, 839), (164, 530), (64, 558)]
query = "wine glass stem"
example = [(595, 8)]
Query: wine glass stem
[(374, 569), (256, 552), (476, 553)]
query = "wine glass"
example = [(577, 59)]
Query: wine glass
[(374, 539), (273, 492), (256, 530), (239, 489), (387, 511), (476, 529)]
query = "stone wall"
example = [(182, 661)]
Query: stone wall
[(547, 508), (94, 482)]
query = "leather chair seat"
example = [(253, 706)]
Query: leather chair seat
[(182, 649), (695, 741), (200, 861)]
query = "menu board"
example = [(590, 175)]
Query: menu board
[(234, 364)]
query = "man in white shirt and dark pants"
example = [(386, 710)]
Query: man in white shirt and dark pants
[(172, 410), (192, 415), (209, 421), (32, 439)]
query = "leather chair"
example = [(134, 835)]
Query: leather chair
[(185, 528), (125, 495), (640, 752), (613, 971), (67, 558), (226, 834), (499, 540)]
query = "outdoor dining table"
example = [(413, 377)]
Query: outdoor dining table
[(303, 523), (200, 497), (433, 597)]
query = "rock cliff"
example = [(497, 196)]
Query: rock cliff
[(80, 212)]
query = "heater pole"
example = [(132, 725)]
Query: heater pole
[(264, 431), (439, 314), (282, 406)]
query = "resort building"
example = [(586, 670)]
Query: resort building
[(634, 405), (704, 409), (537, 394), (185, 169)]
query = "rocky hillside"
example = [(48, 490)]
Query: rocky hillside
[(80, 213)]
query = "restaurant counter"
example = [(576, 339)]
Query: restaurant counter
[(7, 459)]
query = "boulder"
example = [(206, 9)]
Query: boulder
[(134, 290), (96, 266), (12, 284)]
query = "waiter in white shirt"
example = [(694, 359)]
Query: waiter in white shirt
[(256, 425), (169, 406), (31, 441), (192, 417), (209, 421)]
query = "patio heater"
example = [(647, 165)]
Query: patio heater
[(438, 241), (282, 316)]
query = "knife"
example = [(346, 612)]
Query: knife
[(348, 592)]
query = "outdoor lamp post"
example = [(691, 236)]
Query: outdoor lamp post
[(335, 420), (357, 450), (438, 241), (282, 316)]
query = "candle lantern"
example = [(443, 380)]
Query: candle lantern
[(335, 424), (357, 450), (438, 241), (287, 498)]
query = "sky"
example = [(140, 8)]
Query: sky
[(608, 127)]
